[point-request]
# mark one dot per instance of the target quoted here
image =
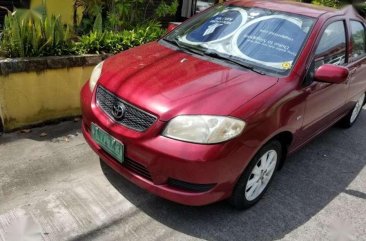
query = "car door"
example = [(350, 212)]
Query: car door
[(324, 101), (357, 59)]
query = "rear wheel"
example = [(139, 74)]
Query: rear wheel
[(258, 175), (352, 117)]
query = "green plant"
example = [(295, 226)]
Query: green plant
[(29, 33), (95, 43), (119, 15), (166, 9), (328, 3), (360, 6), (91, 10), (125, 14), (112, 42)]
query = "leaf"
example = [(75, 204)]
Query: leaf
[(17, 37), (26, 131), (98, 24)]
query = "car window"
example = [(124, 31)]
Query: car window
[(330, 50), (358, 39), (332, 45)]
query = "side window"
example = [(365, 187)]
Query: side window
[(331, 49), (332, 46), (358, 39)]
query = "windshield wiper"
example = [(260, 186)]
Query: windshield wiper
[(185, 48), (233, 60), (214, 54)]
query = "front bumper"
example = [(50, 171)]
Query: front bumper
[(157, 163)]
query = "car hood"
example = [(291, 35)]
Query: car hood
[(167, 82)]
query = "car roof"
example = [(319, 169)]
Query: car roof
[(305, 9)]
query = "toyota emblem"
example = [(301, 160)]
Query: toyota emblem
[(118, 111)]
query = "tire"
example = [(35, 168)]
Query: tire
[(255, 177), (350, 119)]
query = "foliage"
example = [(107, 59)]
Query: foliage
[(91, 10), (166, 10), (98, 24), (112, 42), (328, 3), (92, 7), (122, 14), (32, 33), (121, 28), (359, 5)]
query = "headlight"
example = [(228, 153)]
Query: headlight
[(204, 129), (95, 76)]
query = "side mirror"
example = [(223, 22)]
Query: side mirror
[(331, 73), (173, 25)]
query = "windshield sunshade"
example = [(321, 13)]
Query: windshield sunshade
[(259, 37)]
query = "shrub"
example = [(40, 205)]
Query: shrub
[(30, 33), (111, 42)]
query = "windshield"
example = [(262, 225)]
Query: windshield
[(252, 37)]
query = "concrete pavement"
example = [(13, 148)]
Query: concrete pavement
[(53, 188)]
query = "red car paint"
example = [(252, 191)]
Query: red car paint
[(331, 74), (169, 83)]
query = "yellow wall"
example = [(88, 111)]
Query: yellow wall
[(58, 7), (31, 98)]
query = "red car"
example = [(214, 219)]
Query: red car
[(210, 111)]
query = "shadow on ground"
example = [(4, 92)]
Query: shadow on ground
[(311, 179), (49, 132)]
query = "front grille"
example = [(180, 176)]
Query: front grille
[(134, 118), (137, 168)]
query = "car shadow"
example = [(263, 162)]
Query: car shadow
[(309, 181)]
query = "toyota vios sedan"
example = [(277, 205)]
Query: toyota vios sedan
[(211, 110)]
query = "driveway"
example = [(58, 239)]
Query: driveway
[(53, 188)]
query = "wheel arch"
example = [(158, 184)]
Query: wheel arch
[(286, 138)]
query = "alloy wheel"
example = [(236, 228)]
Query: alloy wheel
[(261, 175), (356, 111)]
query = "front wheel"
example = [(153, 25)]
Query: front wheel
[(258, 175), (352, 117)]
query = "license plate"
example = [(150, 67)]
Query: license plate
[(108, 143)]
